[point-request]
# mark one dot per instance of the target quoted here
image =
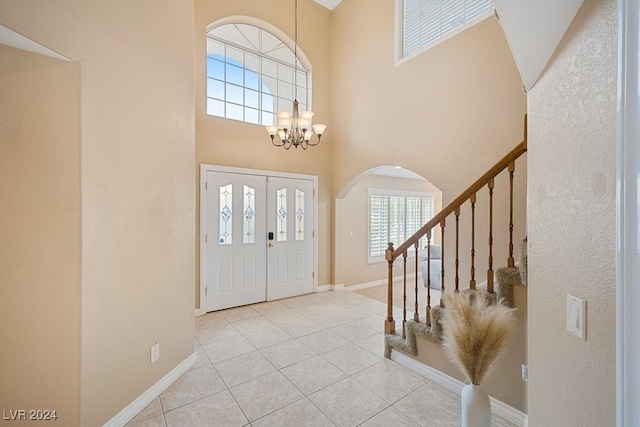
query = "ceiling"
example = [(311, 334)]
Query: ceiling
[(329, 4)]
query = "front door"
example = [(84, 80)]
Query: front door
[(235, 240), (290, 239), (258, 233)]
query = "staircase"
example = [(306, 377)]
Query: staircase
[(506, 278), (426, 319)]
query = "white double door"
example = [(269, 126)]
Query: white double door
[(259, 238)]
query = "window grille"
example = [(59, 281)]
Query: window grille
[(250, 75)]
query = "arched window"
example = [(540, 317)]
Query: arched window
[(250, 73)]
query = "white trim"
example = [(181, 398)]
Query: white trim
[(329, 287), (376, 283), (197, 312), (141, 402), (11, 38), (204, 168), (498, 407), (628, 217)]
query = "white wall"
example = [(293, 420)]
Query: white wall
[(571, 208)]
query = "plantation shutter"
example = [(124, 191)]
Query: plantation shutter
[(378, 224), (426, 21), (396, 220), (414, 220), (428, 212)]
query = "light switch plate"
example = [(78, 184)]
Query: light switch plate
[(577, 316)]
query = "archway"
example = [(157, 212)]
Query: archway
[(355, 266)]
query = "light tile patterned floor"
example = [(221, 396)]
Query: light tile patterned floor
[(314, 360)]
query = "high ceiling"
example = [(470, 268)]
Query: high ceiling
[(329, 4)]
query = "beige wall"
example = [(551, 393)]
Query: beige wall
[(572, 164), (231, 143), (354, 219), (40, 234), (448, 114), (504, 382), (136, 168)]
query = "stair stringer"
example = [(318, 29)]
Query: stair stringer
[(408, 345), (506, 279)]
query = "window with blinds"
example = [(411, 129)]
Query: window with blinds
[(425, 22), (394, 217)]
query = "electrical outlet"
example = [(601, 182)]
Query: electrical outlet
[(155, 352)]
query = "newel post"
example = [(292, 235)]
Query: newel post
[(389, 324)]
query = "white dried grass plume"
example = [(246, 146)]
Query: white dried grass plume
[(475, 332)]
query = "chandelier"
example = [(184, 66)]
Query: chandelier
[(295, 127)]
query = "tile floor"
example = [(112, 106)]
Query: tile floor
[(314, 360)]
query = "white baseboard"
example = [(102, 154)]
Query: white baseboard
[(329, 287), (498, 407), (198, 312), (360, 286), (134, 408)]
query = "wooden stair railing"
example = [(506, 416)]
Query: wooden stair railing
[(507, 162)]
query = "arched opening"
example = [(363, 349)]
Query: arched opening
[(357, 262)]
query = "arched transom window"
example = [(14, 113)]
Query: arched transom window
[(250, 74)]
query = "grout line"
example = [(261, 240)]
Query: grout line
[(325, 304)]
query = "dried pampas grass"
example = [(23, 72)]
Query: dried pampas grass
[(475, 332)]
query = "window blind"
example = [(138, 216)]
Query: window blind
[(395, 218), (426, 21)]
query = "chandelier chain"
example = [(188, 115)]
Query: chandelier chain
[(295, 129), (295, 51)]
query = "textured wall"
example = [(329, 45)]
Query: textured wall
[(137, 186), (572, 149), (40, 234)]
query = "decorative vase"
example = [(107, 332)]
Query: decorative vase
[(476, 407)]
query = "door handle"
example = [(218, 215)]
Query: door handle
[(270, 244)]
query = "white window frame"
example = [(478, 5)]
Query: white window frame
[(399, 59), (282, 36), (390, 193)]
